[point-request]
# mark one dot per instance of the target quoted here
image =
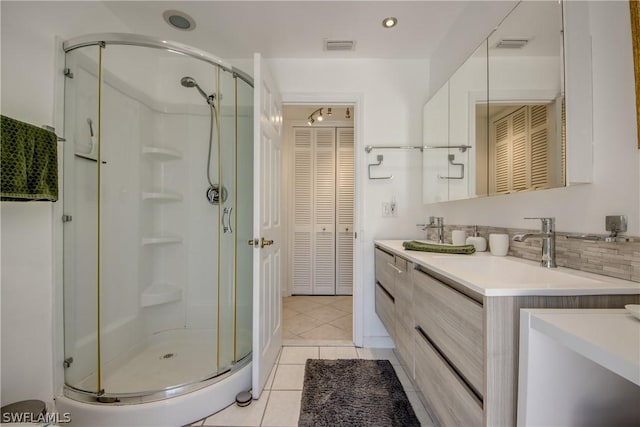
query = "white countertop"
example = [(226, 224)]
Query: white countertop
[(608, 337), (509, 276)]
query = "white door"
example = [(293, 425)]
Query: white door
[(267, 226), (345, 202), (301, 254), (324, 212)]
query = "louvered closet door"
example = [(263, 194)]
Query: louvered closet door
[(344, 211), (301, 263), (540, 149), (519, 150), (325, 215), (502, 159), (522, 150)]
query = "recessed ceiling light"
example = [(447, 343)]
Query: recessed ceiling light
[(389, 22), (179, 20)]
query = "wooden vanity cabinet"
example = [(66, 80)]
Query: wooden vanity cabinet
[(385, 289), (404, 315), (449, 398), (394, 299), (453, 321), (449, 355), (461, 348)]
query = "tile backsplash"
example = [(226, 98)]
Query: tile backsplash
[(620, 259)]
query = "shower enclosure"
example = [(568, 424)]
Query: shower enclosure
[(158, 205)]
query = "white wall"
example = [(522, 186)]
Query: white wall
[(616, 180), (393, 93), (29, 94), (26, 301)]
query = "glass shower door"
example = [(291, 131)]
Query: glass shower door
[(227, 225), (236, 226), (81, 231), (244, 218), (157, 277)]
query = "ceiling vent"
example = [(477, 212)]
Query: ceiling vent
[(343, 45), (512, 43)]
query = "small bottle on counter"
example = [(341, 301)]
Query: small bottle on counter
[(479, 242)]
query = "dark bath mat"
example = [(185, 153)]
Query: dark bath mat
[(353, 392)]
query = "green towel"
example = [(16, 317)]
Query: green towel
[(28, 162), (443, 249)]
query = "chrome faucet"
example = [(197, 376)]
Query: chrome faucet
[(548, 236), (436, 222)]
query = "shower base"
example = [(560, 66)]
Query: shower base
[(169, 359), (215, 395)]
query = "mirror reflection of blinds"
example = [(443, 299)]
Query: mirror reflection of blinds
[(522, 141), (539, 147)]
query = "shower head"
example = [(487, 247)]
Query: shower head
[(188, 82), (191, 82)]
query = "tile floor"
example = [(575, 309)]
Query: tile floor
[(317, 320), (279, 404)]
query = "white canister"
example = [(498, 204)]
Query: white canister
[(480, 243), (458, 237), (499, 244)]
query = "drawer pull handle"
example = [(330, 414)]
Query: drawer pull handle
[(386, 292), (450, 365), (395, 268)]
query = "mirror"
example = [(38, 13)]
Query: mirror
[(450, 165), (506, 103), (526, 96)]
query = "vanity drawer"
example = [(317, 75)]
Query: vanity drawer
[(404, 314), (452, 402), (385, 308), (401, 264), (454, 323), (386, 270)]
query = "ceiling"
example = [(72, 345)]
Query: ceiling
[(296, 29)]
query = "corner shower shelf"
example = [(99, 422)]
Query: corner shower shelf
[(163, 154), (160, 240), (161, 196), (160, 293)]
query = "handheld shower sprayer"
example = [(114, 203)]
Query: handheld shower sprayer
[(216, 193), (191, 82)]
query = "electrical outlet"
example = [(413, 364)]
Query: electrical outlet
[(394, 207), (386, 209)]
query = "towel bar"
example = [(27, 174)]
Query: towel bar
[(452, 157), (52, 129), (379, 158)]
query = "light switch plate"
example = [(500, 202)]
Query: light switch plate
[(386, 209), (617, 223)]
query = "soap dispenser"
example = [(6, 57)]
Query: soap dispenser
[(480, 243)]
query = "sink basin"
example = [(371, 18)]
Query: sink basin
[(503, 271)]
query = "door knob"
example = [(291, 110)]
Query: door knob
[(265, 242)]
